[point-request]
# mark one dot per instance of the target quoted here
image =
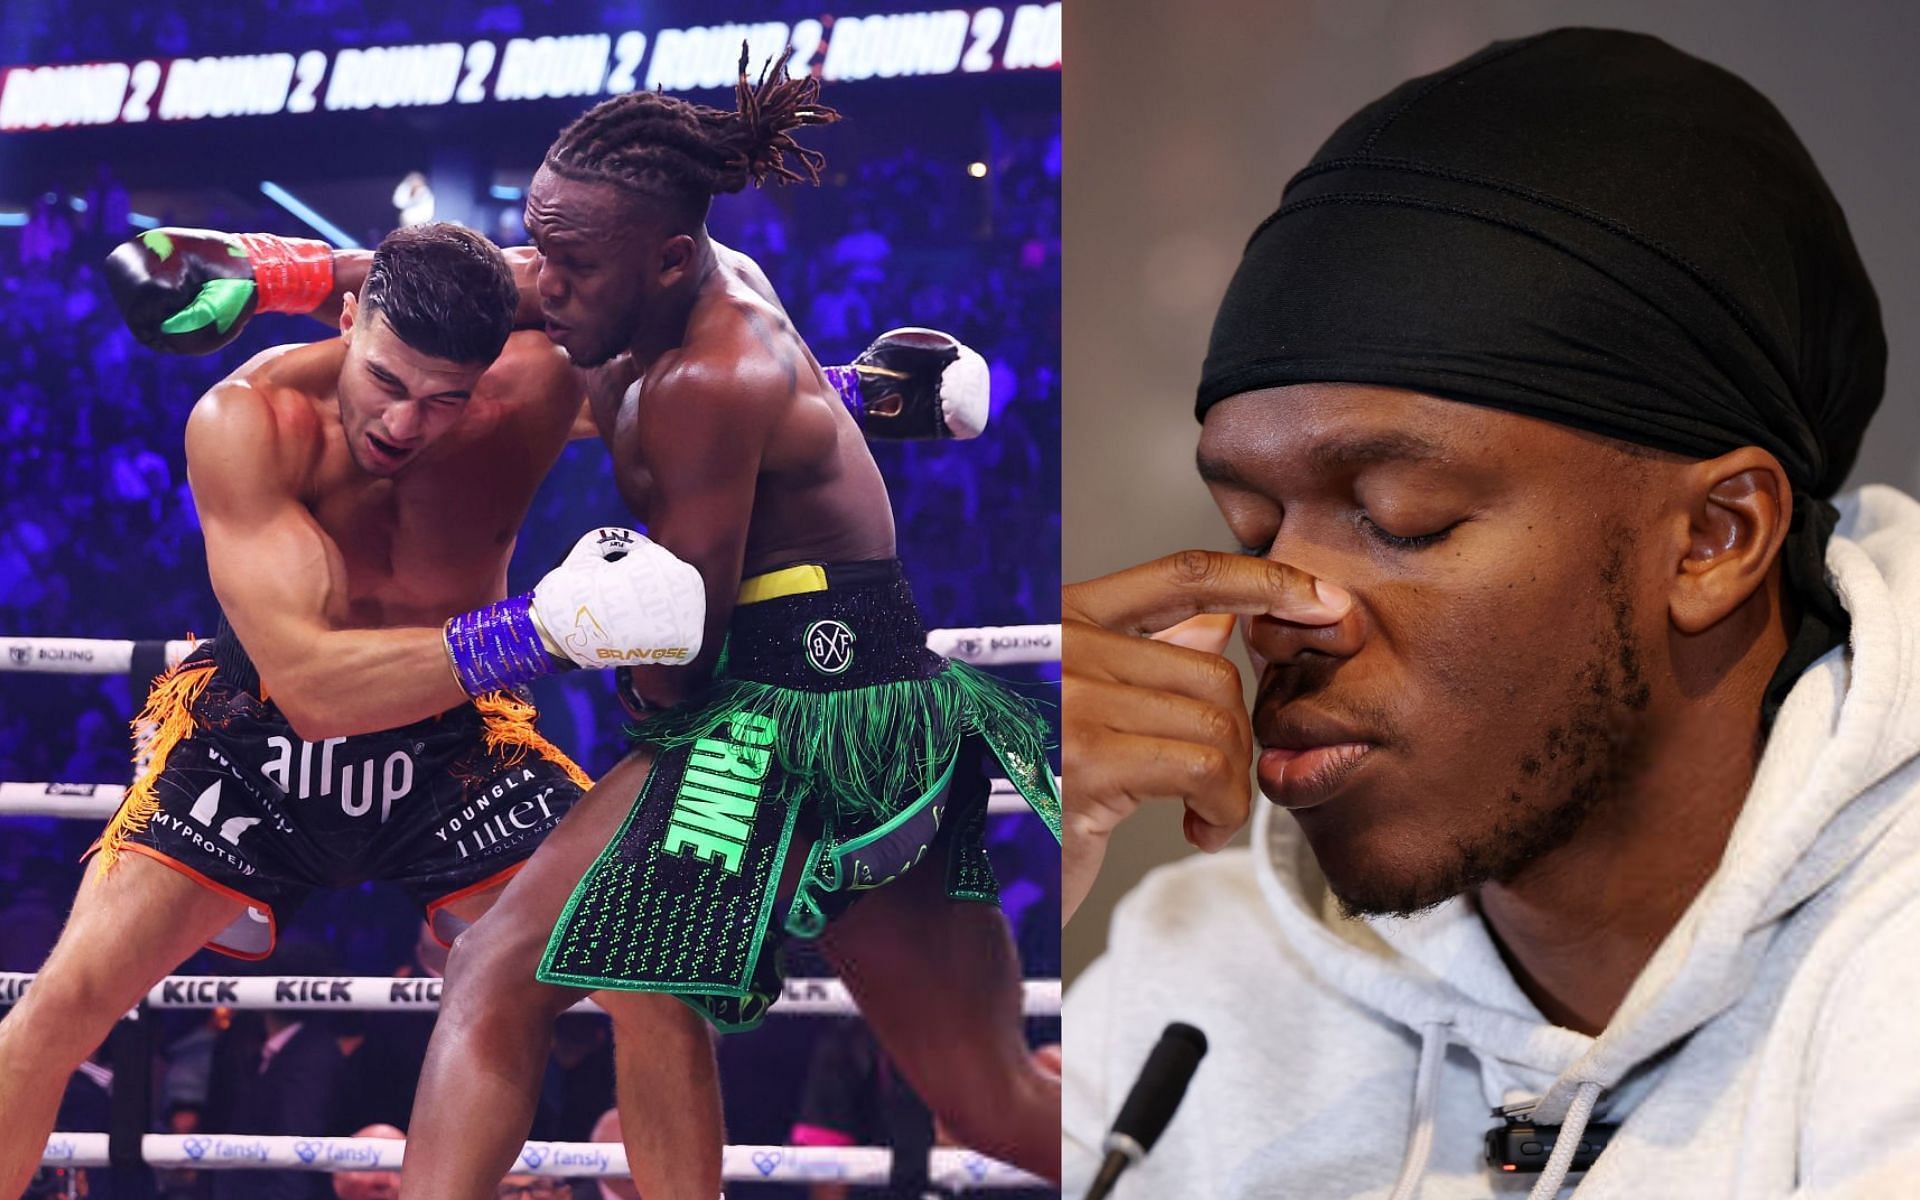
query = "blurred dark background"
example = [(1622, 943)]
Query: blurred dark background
[(940, 206)]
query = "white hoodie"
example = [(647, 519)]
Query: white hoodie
[(1771, 1047)]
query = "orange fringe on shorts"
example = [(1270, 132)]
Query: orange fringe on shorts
[(510, 732), (164, 723)]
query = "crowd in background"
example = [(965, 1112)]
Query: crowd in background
[(98, 538)]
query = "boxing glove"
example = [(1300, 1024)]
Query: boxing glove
[(914, 384), (617, 599), (191, 291)]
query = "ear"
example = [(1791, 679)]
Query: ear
[(676, 259), (349, 313), (1738, 509)]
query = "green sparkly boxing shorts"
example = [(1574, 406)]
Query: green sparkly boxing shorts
[(827, 713)]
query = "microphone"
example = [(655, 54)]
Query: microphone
[(1149, 1106)]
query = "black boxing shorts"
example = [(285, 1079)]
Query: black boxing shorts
[(229, 795)]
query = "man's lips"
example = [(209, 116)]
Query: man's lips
[(1306, 757), (388, 451), (1300, 779)]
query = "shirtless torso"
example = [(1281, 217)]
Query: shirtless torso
[(737, 452), (819, 496), (415, 548), (304, 545)]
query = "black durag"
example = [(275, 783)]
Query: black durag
[(1595, 229)]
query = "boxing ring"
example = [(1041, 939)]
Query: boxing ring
[(127, 1145)]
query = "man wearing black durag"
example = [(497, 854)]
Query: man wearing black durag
[(1593, 709)]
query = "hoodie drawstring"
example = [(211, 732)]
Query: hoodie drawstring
[(1572, 1128), (1433, 1049)]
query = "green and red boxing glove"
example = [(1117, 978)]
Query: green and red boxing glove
[(190, 291)]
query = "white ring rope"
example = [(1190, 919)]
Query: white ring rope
[(79, 656), (379, 993), (858, 1166), (987, 646), (998, 645), (98, 801)]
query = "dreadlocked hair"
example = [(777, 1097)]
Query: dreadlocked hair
[(684, 154)]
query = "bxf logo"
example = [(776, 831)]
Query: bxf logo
[(829, 647), (20, 655)]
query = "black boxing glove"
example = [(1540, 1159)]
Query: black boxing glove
[(915, 384), (191, 291)]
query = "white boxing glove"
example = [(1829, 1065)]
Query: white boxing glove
[(620, 599)]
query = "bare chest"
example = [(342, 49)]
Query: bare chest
[(417, 549)]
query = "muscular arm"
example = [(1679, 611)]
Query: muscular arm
[(350, 269), (280, 578), (704, 427)]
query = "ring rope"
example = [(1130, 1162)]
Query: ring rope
[(89, 801), (986, 646), (379, 993), (857, 1166)]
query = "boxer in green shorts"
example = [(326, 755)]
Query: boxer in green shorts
[(768, 790)]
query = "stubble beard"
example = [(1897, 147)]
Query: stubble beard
[(1581, 763)]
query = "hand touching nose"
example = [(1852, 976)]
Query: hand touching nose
[(1151, 709)]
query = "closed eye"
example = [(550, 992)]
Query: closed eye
[(1396, 541), (1393, 541)]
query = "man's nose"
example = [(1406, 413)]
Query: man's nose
[(1271, 640), (548, 286), (402, 420)]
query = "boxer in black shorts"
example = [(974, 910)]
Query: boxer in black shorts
[(232, 796), (360, 498)]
